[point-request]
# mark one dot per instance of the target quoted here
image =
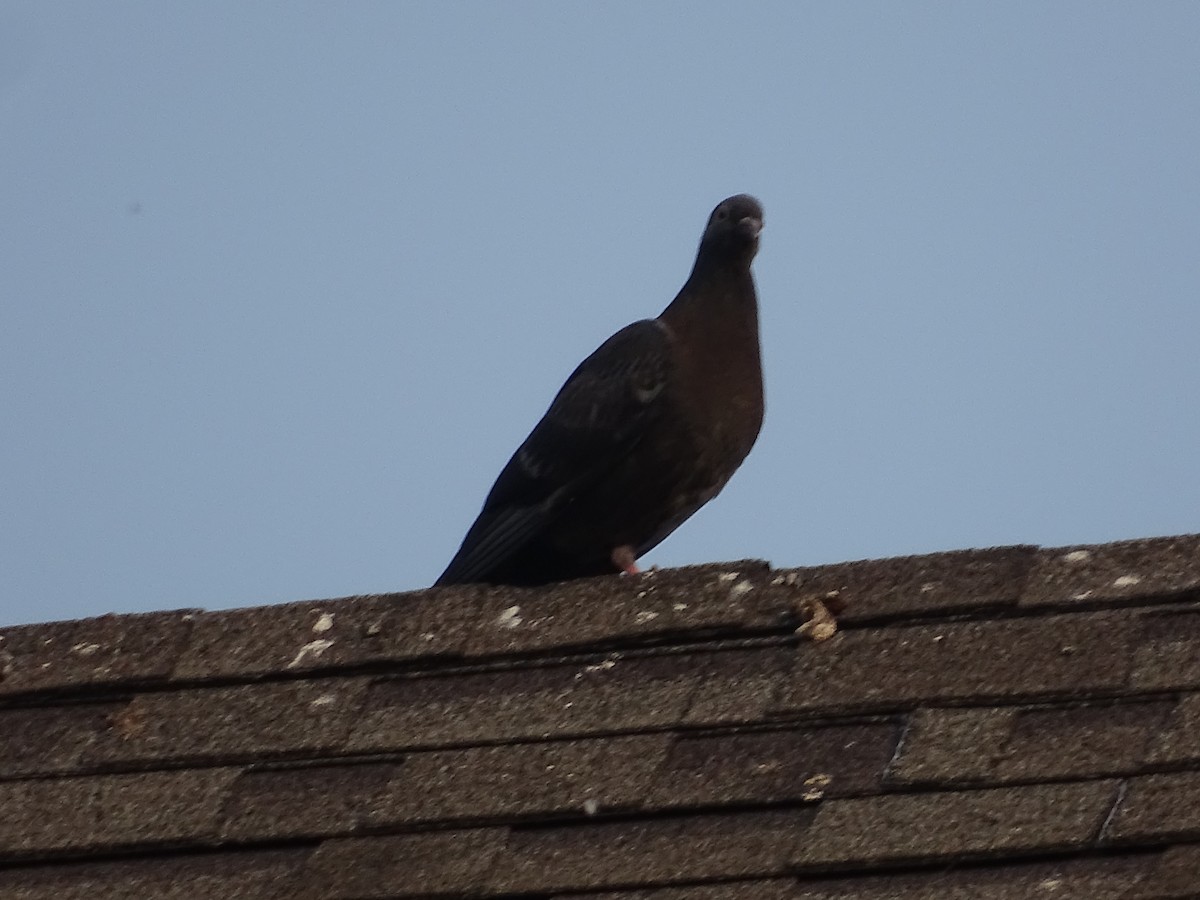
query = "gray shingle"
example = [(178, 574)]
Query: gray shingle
[(889, 668), (659, 738), (971, 824), (560, 778), (648, 851), (1179, 741), (1168, 651), (244, 875), (1156, 808), (107, 650), (952, 746), (48, 740), (1094, 879), (744, 595), (739, 686), (799, 764), (108, 811), (230, 724), (987, 744), (305, 801), (453, 863), (616, 694), (323, 634), (1147, 568), (957, 581)]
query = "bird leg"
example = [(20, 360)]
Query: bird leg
[(623, 559)]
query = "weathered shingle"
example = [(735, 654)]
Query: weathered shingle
[(90, 653), (995, 724), (1037, 657), (956, 824), (1140, 570), (85, 814), (238, 875), (230, 723)]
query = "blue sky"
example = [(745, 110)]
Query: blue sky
[(282, 285)]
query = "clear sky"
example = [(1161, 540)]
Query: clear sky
[(283, 285)]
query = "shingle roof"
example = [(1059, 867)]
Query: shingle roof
[(1000, 724)]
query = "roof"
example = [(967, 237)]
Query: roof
[(1005, 723)]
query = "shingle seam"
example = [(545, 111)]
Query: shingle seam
[(767, 724), (679, 643), (973, 864), (531, 823), (147, 852), (1118, 799)]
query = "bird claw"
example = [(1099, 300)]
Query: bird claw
[(624, 560)]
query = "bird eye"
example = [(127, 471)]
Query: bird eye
[(722, 215)]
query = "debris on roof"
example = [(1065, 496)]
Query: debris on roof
[(1006, 723)]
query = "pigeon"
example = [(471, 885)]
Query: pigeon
[(644, 432)]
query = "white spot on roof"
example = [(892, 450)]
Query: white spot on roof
[(1127, 580), (85, 649), (815, 786), (645, 616), (679, 607), (510, 618), (591, 806), (1077, 556), (728, 576), (312, 648), (323, 624), (324, 700), (741, 588)]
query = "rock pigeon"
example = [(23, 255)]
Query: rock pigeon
[(646, 430)]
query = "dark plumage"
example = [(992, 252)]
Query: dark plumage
[(646, 430)]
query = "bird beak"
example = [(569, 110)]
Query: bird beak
[(750, 226)]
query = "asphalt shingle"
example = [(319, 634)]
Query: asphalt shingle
[(996, 725)]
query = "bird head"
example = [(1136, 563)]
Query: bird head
[(733, 228)]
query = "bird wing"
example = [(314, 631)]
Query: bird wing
[(602, 412)]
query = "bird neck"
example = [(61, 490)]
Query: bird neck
[(717, 304)]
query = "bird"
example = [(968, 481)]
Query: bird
[(645, 431)]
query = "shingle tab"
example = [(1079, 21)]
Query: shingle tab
[(230, 724), (758, 889), (951, 746), (615, 694), (737, 596), (648, 851), (957, 581), (51, 739), (432, 864), (107, 650), (305, 801), (1158, 807), (560, 778), (799, 764), (245, 875), (111, 811), (976, 823), (738, 686), (1179, 741), (324, 634), (1094, 879), (1039, 657), (1148, 568), (1168, 651), (1175, 877)]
